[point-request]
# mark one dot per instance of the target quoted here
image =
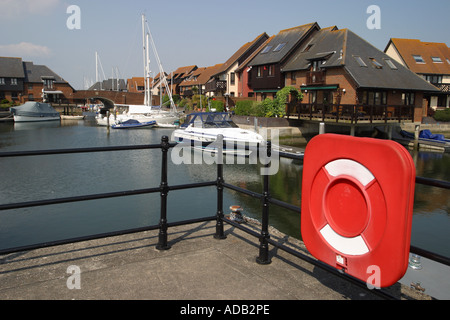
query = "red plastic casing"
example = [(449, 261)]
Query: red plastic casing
[(357, 204)]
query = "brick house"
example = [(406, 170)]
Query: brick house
[(429, 60), (24, 81), (264, 76), (198, 79), (136, 84), (12, 79), (243, 71), (225, 81), (339, 72), (178, 76)]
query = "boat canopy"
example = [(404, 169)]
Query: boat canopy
[(35, 109), (209, 120)]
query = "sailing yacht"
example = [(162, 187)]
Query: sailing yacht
[(145, 112)]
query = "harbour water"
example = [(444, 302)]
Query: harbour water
[(57, 176)]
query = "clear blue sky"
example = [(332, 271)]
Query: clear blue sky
[(195, 32)]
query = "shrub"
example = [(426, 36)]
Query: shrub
[(442, 115), (244, 108), (218, 105)]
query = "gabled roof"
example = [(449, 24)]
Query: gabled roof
[(327, 43), (246, 62), (110, 85), (201, 76), (282, 44), (182, 72), (407, 48), (11, 67), (368, 66), (241, 52), (35, 73)]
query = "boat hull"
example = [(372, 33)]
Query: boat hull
[(134, 125), (35, 118)]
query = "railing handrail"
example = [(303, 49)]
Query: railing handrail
[(355, 114), (164, 188)]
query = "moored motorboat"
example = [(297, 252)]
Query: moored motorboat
[(424, 140), (202, 129), (32, 111), (133, 124)]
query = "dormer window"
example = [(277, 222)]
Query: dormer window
[(316, 64)]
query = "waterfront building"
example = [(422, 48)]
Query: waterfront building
[(225, 82), (196, 82), (12, 79), (430, 60), (136, 84), (22, 81), (178, 76), (336, 67), (265, 77)]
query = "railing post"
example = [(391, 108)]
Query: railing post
[(162, 237), (219, 216), (264, 243)]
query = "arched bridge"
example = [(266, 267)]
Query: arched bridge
[(108, 98)]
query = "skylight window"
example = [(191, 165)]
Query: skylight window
[(279, 47), (448, 60), (360, 61), (436, 59), (418, 58), (390, 64), (308, 47), (266, 49), (376, 63)]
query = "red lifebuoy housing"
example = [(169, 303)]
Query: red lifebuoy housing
[(357, 201)]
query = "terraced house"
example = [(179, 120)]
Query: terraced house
[(430, 60), (24, 81), (341, 75)]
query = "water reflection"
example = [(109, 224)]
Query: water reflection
[(33, 178)]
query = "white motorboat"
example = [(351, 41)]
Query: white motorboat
[(35, 111), (202, 129)]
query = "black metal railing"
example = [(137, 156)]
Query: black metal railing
[(351, 112), (164, 189)]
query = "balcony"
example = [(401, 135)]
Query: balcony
[(315, 78), (216, 85)]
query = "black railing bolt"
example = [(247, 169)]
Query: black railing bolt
[(162, 238)]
